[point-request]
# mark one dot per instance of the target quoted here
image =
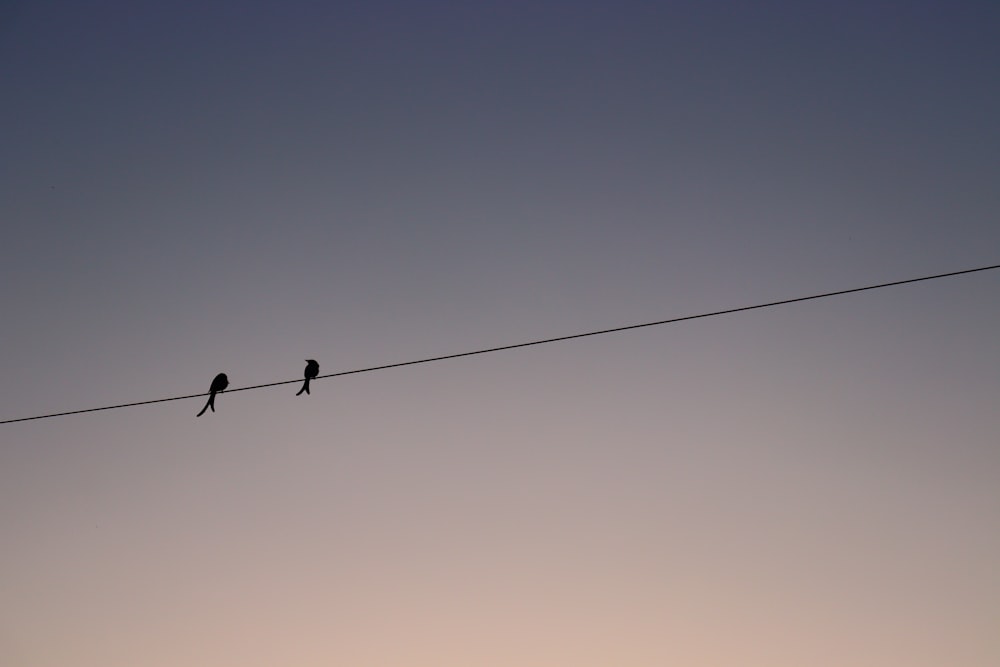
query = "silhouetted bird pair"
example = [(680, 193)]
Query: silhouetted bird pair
[(221, 381)]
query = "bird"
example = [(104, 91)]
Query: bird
[(218, 384), (311, 371)]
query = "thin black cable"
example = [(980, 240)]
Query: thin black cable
[(528, 344)]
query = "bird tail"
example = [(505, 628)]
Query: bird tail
[(305, 387), (210, 403)]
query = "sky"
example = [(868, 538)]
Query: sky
[(195, 188)]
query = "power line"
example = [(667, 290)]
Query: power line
[(528, 344)]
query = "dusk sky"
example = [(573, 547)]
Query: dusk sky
[(195, 188)]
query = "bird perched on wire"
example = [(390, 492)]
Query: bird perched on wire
[(218, 384), (311, 371)]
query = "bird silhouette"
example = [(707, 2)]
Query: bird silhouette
[(311, 371), (218, 384)]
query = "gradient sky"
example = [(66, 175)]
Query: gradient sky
[(239, 186)]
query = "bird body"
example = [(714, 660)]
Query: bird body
[(220, 383), (311, 371)]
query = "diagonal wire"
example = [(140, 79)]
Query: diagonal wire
[(543, 341)]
